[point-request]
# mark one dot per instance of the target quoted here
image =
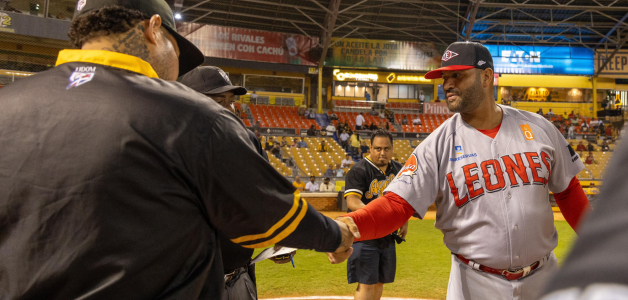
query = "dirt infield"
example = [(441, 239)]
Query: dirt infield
[(335, 298)]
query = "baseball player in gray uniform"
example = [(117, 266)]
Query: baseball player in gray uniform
[(489, 170)]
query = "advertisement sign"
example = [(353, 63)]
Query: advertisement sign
[(385, 54), (383, 77), (436, 108), (510, 59), (617, 67), (256, 45)]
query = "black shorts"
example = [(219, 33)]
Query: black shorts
[(370, 264)]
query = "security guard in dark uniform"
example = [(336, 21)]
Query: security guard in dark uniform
[(114, 182), (373, 262)]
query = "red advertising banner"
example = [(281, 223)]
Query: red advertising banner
[(436, 108), (256, 45)]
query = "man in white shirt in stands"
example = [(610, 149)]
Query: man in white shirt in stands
[(312, 186), (253, 98), (339, 171), (327, 186), (359, 120), (344, 136), (330, 129), (416, 120), (346, 163)]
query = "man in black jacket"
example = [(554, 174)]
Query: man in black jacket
[(114, 182)]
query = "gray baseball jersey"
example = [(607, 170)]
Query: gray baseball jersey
[(493, 194)]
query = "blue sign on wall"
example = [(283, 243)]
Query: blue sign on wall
[(510, 59)]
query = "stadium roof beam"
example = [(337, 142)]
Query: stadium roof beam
[(328, 30), (612, 30), (471, 20)]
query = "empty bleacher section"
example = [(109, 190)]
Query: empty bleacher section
[(278, 117)]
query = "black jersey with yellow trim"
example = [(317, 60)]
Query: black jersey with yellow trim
[(367, 181), (110, 174)]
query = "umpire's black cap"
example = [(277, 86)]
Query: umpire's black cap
[(463, 56), (190, 56), (210, 81)]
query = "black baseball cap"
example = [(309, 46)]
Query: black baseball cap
[(190, 56), (463, 56), (211, 80)]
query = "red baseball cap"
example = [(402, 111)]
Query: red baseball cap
[(463, 56)]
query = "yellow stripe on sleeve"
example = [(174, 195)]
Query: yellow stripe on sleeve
[(352, 193), (272, 230), (290, 229)]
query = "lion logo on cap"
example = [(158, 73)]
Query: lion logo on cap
[(80, 5), (449, 55)]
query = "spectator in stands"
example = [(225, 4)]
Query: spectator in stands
[(590, 159), (347, 162), (404, 121), (367, 96), (540, 111), (594, 123), (344, 137), (298, 184), (436, 100), (323, 147), (581, 147), (295, 143), (373, 112), (373, 126), (312, 115), (609, 131), (584, 128), (331, 129), (258, 135), (382, 114), (257, 126), (416, 120), (550, 113), (253, 98), (364, 149), (359, 121), (306, 113), (302, 143), (572, 115), (301, 111), (355, 144), (590, 147), (312, 186), (330, 171), (601, 129), (333, 115), (339, 171), (327, 186), (269, 144), (571, 132), (387, 126), (605, 146), (592, 193), (276, 150), (311, 131), (284, 143)]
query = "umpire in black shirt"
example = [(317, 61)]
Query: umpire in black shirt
[(215, 83), (114, 180)]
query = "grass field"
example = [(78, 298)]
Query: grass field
[(423, 265)]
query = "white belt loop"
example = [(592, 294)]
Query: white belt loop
[(526, 271), (474, 265)]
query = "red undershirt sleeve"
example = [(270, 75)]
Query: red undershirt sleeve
[(573, 203), (381, 216)]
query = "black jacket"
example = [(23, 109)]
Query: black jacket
[(115, 185)]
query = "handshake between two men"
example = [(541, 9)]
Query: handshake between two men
[(349, 232)]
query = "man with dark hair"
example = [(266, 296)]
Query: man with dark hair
[(373, 262), (115, 179)]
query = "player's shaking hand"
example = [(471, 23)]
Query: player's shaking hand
[(349, 232)]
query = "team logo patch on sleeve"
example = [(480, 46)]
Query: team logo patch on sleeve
[(410, 168), (527, 132), (81, 76)]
